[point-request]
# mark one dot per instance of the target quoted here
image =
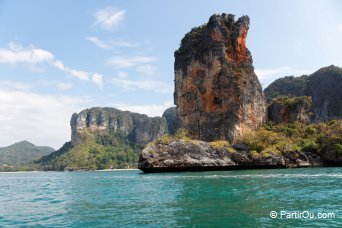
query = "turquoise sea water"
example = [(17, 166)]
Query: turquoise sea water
[(204, 199)]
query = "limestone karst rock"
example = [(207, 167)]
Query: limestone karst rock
[(290, 109), (137, 128), (170, 117), (180, 155), (217, 93), (323, 86)]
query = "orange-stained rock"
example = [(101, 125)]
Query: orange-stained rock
[(217, 94)]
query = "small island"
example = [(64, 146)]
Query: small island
[(222, 116)]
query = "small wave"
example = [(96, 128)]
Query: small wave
[(23, 172), (247, 176), (115, 170)]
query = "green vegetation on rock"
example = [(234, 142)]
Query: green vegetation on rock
[(106, 151), (283, 138), (22, 153), (287, 86), (191, 38), (181, 134), (292, 100), (219, 144), (194, 37)]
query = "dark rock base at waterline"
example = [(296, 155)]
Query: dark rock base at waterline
[(194, 156), (204, 168), (221, 168)]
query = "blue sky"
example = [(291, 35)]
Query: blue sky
[(59, 57)]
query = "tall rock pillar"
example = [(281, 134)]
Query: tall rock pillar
[(217, 93)]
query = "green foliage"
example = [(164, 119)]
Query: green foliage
[(270, 150), (229, 19), (220, 144), (181, 134), (253, 154), (293, 101), (330, 139), (261, 139), (195, 141), (48, 162), (287, 86), (165, 139), (269, 126), (265, 154), (22, 153), (309, 145), (106, 151), (231, 150), (338, 148), (191, 39), (311, 131), (287, 138), (15, 168)]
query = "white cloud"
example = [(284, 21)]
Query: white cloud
[(98, 80), (140, 63), (147, 69), (82, 75), (33, 57), (99, 43), (109, 18), (15, 54), (129, 61), (150, 109), (39, 118), (63, 86), (59, 65), (15, 85), (118, 43), (108, 45), (57, 84), (122, 75), (266, 76), (339, 27), (151, 85)]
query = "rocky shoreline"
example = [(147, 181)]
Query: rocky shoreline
[(194, 155)]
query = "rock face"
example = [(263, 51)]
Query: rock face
[(138, 128), (170, 117), (180, 155), (290, 109), (217, 94), (325, 89), (323, 86)]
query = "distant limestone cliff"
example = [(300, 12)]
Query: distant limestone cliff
[(104, 138), (138, 128), (323, 86), (217, 94)]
